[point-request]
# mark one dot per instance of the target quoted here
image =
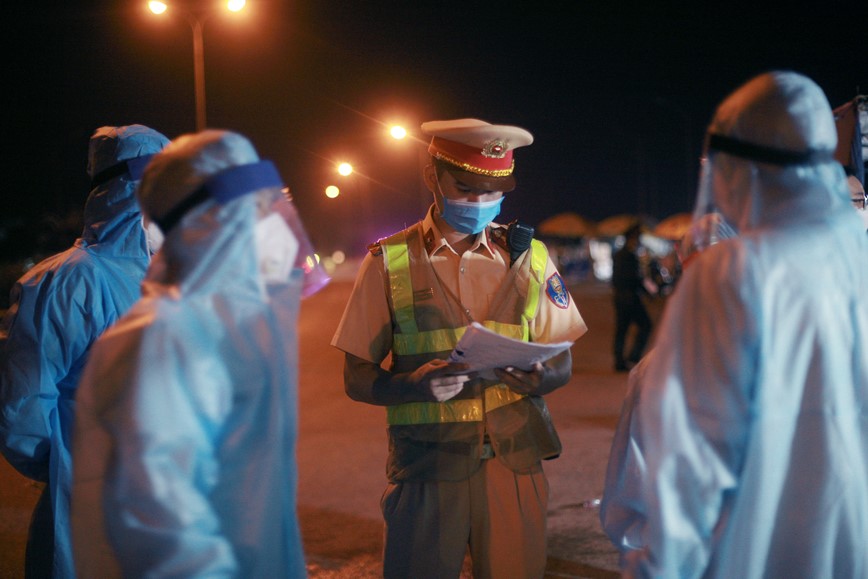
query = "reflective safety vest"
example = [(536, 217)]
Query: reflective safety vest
[(444, 440)]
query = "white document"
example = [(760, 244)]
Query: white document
[(482, 350)]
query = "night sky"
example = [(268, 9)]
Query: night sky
[(617, 95)]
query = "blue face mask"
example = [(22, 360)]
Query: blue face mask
[(470, 216)]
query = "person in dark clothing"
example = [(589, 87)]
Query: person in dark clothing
[(627, 283)]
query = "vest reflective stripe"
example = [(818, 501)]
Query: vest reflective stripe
[(452, 410), (410, 341), (445, 340), (538, 255), (398, 265), (425, 342)]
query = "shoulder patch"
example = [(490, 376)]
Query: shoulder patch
[(557, 291), (376, 249), (497, 233)]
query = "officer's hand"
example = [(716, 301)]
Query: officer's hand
[(542, 378), (439, 380), (522, 381)]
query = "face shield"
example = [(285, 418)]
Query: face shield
[(282, 244), (709, 225), (315, 277), (769, 157)]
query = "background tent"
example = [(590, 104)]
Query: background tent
[(615, 225), (567, 225), (674, 227), (567, 237)]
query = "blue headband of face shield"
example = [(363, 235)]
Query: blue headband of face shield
[(223, 187), (133, 167), (763, 154)]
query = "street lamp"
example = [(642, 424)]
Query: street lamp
[(197, 22), (345, 169)]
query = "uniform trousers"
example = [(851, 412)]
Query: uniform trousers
[(498, 514)]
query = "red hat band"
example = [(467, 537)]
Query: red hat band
[(494, 160)]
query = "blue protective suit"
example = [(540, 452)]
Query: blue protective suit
[(58, 310), (187, 414), (746, 454)]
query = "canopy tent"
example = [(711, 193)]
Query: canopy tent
[(566, 225), (615, 225), (674, 227), (618, 224)]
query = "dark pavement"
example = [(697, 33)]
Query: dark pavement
[(342, 454)]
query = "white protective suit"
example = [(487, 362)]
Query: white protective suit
[(59, 308), (749, 438), (187, 418)]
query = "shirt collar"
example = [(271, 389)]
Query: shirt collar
[(435, 242)]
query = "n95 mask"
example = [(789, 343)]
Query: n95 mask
[(153, 236), (276, 248)]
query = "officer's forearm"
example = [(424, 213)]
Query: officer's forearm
[(367, 382)]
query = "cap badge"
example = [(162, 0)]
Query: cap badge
[(495, 149)]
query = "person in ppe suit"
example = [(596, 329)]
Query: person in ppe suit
[(621, 510), (58, 310), (752, 413), (465, 453), (187, 420)]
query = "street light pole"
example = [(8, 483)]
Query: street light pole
[(197, 24), (198, 70)]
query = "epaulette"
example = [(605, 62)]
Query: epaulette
[(376, 249), (497, 233)]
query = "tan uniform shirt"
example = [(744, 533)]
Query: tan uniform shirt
[(473, 278)]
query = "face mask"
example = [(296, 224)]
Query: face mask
[(470, 216), (153, 236), (276, 248)]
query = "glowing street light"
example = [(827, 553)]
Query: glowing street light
[(398, 132), (332, 192), (197, 21), (345, 169)]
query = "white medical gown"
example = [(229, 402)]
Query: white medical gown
[(752, 419), (187, 417)]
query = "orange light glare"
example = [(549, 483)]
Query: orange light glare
[(157, 7), (398, 132), (331, 191), (345, 169), (235, 5)]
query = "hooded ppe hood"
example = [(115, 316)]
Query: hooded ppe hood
[(111, 213), (770, 155)]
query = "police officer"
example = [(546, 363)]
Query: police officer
[(464, 463)]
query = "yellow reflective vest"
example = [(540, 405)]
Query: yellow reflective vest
[(444, 440)]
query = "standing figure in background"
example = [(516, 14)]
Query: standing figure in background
[(58, 310), (465, 452), (628, 286), (857, 195), (187, 419), (752, 417)]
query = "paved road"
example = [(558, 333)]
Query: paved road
[(342, 454)]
